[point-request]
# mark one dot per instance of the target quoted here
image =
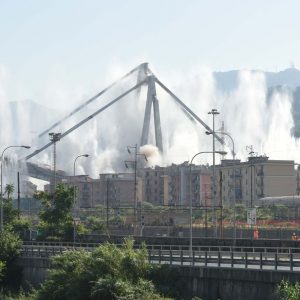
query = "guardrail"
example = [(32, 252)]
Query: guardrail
[(226, 259), (171, 247)]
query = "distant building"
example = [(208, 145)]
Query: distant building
[(259, 177), (116, 190), (176, 184)]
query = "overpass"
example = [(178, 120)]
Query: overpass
[(42, 172), (211, 272)]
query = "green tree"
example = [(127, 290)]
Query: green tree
[(9, 189), (241, 212), (289, 291), (95, 224), (264, 213), (10, 245), (10, 214), (2, 270), (56, 217), (10, 248), (109, 272)]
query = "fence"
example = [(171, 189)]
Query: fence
[(255, 258)]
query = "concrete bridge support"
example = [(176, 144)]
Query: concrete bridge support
[(234, 284), (208, 283)]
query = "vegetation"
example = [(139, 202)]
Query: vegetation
[(108, 273), (55, 215), (289, 291), (10, 248), (9, 189)]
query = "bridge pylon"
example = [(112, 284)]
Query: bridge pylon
[(152, 100)]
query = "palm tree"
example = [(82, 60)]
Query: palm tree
[(9, 189)]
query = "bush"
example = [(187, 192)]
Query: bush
[(108, 273), (10, 248), (289, 291)]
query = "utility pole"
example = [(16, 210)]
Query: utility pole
[(19, 203), (107, 202), (214, 112), (134, 163), (251, 153), (54, 137), (221, 204)]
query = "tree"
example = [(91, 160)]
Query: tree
[(9, 189), (289, 291), (2, 270), (56, 217), (10, 248), (108, 272), (241, 212), (95, 224), (10, 214)]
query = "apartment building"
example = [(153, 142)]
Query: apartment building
[(155, 186), (259, 177), (175, 184), (114, 190)]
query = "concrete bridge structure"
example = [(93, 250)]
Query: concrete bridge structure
[(210, 273)]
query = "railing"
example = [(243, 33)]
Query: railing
[(241, 260), (70, 245), (276, 260)]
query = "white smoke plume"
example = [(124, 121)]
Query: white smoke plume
[(249, 116), (152, 155)]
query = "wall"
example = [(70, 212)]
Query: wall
[(207, 283), (233, 284), (34, 270)]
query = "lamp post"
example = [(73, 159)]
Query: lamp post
[(228, 135), (234, 180), (214, 112), (191, 202), (54, 138), (74, 172), (2, 155), (127, 162)]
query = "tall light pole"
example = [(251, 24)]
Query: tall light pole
[(74, 170), (127, 162), (2, 156), (214, 112), (54, 137), (234, 180), (191, 202), (228, 135), (74, 193)]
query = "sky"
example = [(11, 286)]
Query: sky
[(74, 44)]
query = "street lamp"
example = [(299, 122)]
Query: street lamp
[(234, 180), (22, 146), (134, 163), (227, 134), (74, 171), (214, 112), (191, 204)]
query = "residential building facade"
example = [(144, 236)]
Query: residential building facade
[(259, 177)]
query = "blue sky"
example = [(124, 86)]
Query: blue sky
[(76, 41)]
